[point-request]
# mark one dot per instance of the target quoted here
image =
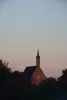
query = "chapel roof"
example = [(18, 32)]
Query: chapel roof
[(30, 70)]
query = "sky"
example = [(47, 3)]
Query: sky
[(28, 25)]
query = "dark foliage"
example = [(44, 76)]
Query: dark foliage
[(15, 86), (63, 79)]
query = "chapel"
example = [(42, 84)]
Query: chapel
[(35, 73)]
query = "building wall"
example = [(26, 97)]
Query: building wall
[(38, 76)]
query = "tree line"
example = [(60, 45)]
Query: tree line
[(15, 86)]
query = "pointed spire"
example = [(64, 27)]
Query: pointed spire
[(38, 59), (38, 52)]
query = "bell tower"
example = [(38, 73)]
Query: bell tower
[(38, 59)]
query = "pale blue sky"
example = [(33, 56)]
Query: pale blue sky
[(26, 25)]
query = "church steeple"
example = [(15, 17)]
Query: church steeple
[(38, 59), (38, 52)]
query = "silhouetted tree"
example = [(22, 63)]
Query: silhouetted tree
[(4, 70), (15, 86), (63, 79)]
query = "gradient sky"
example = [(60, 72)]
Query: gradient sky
[(28, 25)]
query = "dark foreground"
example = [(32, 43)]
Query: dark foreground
[(15, 86)]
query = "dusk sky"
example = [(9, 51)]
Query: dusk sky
[(28, 25)]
